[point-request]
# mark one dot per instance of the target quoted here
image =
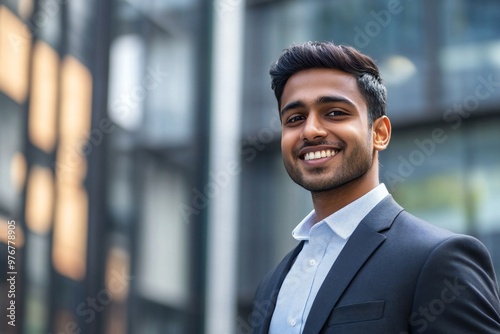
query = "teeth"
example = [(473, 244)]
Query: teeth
[(319, 154)]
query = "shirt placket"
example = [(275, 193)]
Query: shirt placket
[(318, 243)]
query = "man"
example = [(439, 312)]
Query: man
[(363, 265)]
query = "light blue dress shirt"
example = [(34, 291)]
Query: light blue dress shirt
[(323, 243)]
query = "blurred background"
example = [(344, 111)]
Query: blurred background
[(140, 158)]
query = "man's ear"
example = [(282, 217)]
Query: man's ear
[(381, 133)]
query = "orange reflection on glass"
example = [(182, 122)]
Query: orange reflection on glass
[(116, 322), (39, 200), (18, 171), (76, 99), (70, 232), (15, 45), (43, 98), (65, 322), (71, 163), (117, 275), (117, 278), (71, 210)]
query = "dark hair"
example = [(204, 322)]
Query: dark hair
[(328, 55)]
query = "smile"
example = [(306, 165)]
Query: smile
[(320, 154)]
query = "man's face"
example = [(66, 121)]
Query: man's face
[(326, 140)]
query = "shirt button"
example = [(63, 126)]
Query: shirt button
[(312, 262), (293, 322)]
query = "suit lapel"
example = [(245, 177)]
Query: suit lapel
[(362, 243), (275, 282)]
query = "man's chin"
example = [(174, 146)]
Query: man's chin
[(316, 185), (316, 180)]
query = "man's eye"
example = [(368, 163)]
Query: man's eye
[(337, 113), (294, 119)]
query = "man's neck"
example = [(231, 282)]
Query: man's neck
[(327, 202)]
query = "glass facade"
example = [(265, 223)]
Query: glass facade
[(105, 135)]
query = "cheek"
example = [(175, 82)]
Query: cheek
[(287, 141), (357, 133), (283, 145)]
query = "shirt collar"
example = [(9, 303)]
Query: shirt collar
[(344, 221)]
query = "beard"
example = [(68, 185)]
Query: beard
[(350, 167)]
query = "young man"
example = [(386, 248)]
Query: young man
[(363, 265)]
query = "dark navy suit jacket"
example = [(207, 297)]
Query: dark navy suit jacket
[(396, 274)]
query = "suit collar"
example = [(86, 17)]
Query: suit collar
[(361, 245), (344, 221), (382, 216)]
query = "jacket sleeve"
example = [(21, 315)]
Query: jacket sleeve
[(457, 290)]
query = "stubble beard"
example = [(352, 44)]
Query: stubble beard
[(321, 179)]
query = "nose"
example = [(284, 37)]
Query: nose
[(313, 129)]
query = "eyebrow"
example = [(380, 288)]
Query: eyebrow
[(320, 100), (334, 98), (292, 105)]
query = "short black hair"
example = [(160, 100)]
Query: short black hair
[(328, 55)]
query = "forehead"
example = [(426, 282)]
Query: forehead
[(307, 85)]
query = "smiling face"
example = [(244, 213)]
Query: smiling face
[(327, 142)]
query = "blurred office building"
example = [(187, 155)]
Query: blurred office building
[(140, 164)]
